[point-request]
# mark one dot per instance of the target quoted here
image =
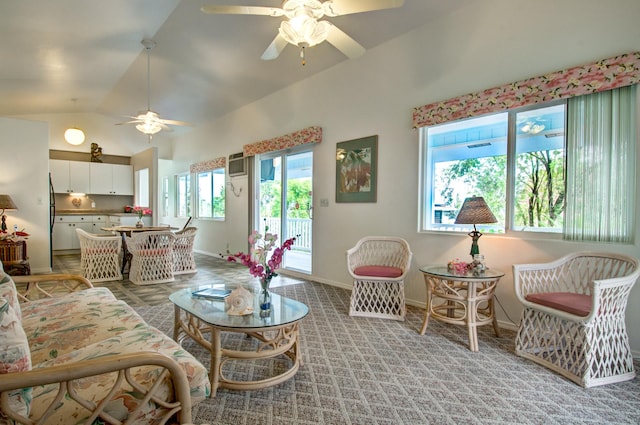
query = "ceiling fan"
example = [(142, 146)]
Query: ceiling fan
[(303, 27), (149, 122)]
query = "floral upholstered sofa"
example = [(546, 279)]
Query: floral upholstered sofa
[(74, 354)]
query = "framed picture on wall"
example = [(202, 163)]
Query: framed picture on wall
[(356, 170)]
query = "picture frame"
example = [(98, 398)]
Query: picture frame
[(357, 169)]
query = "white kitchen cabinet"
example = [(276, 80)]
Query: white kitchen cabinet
[(70, 176), (98, 222), (111, 179), (64, 229)]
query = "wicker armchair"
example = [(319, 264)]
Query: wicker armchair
[(183, 261), (100, 256), (574, 317), (151, 257), (378, 265)]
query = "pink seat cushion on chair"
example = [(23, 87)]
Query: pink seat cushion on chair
[(378, 271), (578, 304)]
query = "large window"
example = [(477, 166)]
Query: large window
[(183, 195), (211, 193), (165, 197), (141, 181), (537, 173), (471, 158)]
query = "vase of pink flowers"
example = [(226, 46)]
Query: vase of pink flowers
[(141, 211), (263, 259)]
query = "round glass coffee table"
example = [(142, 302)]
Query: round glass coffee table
[(461, 299), (278, 334)]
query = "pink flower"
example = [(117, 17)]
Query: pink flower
[(142, 211), (256, 261)]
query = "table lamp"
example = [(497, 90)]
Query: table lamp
[(475, 211), (6, 203)]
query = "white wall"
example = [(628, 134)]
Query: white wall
[(490, 43), (24, 175)]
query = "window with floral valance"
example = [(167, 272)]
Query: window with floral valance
[(210, 188), (587, 160)]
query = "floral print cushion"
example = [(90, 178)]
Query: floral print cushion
[(55, 328), (8, 290), (77, 301), (14, 356), (132, 341)]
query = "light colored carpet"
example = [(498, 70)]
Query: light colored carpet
[(361, 371)]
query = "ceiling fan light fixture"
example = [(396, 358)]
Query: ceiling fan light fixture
[(149, 128), (74, 136), (150, 124), (532, 128), (306, 31)]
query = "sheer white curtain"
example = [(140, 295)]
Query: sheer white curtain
[(601, 166)]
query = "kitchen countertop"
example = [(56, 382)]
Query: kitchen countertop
[(94, 211)]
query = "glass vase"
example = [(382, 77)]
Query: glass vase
[(264, 299), (139, 223)]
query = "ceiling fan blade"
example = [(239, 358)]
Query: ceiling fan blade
[(275, 48), (346, 7), (129, 122), (242, 10), (347, 45), (174, 122)]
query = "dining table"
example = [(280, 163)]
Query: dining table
[(125, 231)]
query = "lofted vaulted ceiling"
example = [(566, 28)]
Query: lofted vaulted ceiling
[(202, 67)]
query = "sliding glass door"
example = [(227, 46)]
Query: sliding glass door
[(284, 195)]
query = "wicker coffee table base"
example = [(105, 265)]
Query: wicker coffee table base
[(281, 340)]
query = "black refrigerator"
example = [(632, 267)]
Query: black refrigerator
[(52, 219)]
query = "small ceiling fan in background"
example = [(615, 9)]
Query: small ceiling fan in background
[(149, 122), (303, 27)]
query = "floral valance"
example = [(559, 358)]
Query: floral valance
[(606, 74), (301, 137), (209, 165)]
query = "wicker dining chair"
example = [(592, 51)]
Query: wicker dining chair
[(378, 265), (574, 317), (151, 257), (100, 256), (183, 260)]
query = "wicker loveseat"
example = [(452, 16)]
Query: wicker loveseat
[(74, 354)]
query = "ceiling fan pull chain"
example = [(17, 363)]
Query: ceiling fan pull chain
[(304, 61)]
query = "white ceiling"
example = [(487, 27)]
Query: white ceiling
[(202, 67)]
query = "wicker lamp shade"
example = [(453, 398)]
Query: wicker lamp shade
[(475, 211), (6, 203)]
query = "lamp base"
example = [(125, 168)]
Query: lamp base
[(4, 223), (475, 235)]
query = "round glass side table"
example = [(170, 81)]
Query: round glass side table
[(461, 299)]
